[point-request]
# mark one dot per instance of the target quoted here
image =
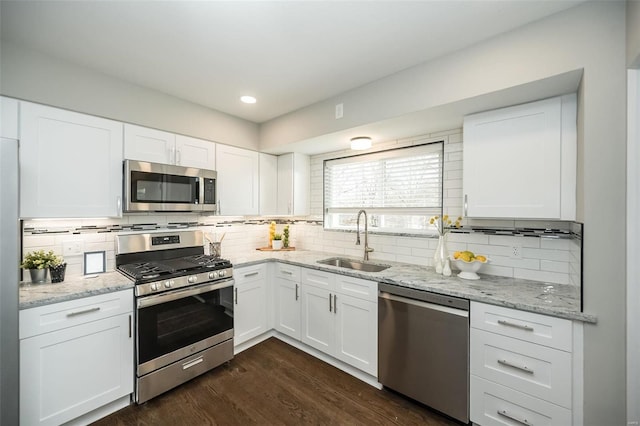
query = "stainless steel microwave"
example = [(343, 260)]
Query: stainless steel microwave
[(164, 187)]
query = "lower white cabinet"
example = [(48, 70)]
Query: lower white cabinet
[(75, 357), (338, 323), (287, 295), (523, 369), (250, 299)]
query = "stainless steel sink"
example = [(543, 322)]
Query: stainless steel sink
[(358, 265)]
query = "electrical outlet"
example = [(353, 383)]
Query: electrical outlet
[(72, 248), (339, 111), (516, 252)]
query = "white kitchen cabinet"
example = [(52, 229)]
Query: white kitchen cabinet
[(293, 184), (287, 294), (268, 184), (340, 318), (8, 118), (250, 298), (76, 357), (520, 162), (522, 366), (157, 146), (238, 180), (70, 164)]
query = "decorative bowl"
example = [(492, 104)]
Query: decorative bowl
[(468, 269)]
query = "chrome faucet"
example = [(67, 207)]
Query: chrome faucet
[(367, 249)]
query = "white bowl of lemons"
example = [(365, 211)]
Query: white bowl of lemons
[(469, 264)]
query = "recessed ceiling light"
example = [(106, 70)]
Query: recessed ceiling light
[(248, 99), (360, 143)]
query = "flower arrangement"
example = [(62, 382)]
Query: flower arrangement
[(444, 224), (41, 260)]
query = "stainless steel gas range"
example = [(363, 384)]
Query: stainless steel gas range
[(184, 308)]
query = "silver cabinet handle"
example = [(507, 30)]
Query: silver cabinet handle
[(335, 304), (466, 204), (508, 415), (193, 362), (178, 157), (509, 364), (514, 325), (119, 205), (236, 294), (130, 332), (219, 207), (330, 309), (84, 311), (296, 291), (287, 272), (251, 274)]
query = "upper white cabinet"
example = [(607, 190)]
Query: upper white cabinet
[(520, 162), (238, 180), (8, 118), (70, 164), (156, 146), (268, 184), (293, 184)]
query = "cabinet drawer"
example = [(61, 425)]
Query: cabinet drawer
[(493, 404), (319, 279), (528, 326), (357, 287), (288, 272), (250, 273), (536, 370), (57, 316)]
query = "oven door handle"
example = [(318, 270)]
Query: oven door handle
[(156, 299)]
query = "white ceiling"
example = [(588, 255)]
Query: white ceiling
[(288, 54)]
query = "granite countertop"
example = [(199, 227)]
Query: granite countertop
[(34, 295), (558, 300)]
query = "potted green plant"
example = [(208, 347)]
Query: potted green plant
[(285, 237), (38, 263), (276, 244)]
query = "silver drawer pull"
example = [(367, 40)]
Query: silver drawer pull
[(509, 364), (287, 272), (193, 362), (512, 417), (84, 311), (513, 324), (251, 274)]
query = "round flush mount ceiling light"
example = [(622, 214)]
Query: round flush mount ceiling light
[(360, 143), (248, 99)]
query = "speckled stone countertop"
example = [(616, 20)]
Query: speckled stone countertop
[(34, 295), (558, 300)]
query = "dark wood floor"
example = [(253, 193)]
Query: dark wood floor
[(276, 384)]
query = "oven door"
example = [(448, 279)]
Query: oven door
[(176, 324)]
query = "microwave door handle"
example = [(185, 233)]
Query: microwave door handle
[(200, 190)]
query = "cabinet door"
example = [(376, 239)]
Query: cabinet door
[(293, 184), (288, 307), (192, 152), (70, 164), (268, 184), (250, 312), (144, 144), (238, 180), (318, 319), (357, 333), (516, 161), (70, 372)]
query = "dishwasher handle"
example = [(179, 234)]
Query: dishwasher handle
[(427, 305)]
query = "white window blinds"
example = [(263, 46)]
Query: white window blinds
[(399, 188)]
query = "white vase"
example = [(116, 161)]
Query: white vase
[(441, 254), (276, 244)]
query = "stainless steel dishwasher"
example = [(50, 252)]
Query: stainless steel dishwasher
[(423, 348)]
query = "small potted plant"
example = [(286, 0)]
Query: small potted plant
[(276, 244), (38, 263), (57, 269), (285, 237)]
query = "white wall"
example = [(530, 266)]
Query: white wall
[(33, 76)]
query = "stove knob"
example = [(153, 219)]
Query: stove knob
[(192, 279), (167, 284), (154, 287), (212, 275), (223, 273)]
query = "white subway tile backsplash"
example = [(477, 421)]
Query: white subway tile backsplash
[(545, 276), (552, 266), (511, 241), (557, 255)]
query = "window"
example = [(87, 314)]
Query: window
[(400, 189)]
